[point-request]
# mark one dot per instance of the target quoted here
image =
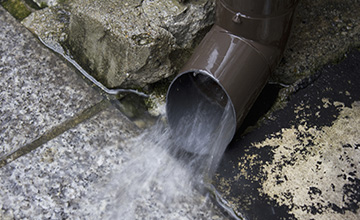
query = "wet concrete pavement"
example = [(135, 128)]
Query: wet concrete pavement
[(59, 136)]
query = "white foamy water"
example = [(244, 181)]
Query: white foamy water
[(159, 180), (156, 179)]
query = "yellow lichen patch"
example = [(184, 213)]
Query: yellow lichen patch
[(326, 102), (225, 186), (314, 170), (339, 104), (243, 168)]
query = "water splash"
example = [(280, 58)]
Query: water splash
[(205, 135), (160, 180), (153, 184)]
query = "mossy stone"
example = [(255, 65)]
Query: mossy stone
[(17, 8)]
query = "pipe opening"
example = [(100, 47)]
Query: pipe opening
[(200, 113)]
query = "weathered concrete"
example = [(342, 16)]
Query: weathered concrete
[(304, 164), (134, 43), (51, 24), (34, 97)]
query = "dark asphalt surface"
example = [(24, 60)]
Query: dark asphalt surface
[(339, 82)]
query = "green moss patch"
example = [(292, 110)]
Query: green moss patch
[(17, 8)]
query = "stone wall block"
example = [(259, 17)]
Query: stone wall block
[(128, 43)]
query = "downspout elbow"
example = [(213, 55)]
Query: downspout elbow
[(228, 70)]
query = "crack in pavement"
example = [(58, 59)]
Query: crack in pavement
[(54, 132)]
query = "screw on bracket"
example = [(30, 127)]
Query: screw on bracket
[(237, 18)]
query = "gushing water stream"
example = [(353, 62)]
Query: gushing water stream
[(159, 180)]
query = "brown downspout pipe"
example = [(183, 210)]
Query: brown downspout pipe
[(232, 63)]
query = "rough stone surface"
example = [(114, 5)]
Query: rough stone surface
[(36, 93), (133, 43), (323, 31), (51, 24)]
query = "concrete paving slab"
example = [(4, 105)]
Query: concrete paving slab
[(55, 180), (303, 164), (38, 89), (100, 169)]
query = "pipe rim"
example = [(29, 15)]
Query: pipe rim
[(232, 112)]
